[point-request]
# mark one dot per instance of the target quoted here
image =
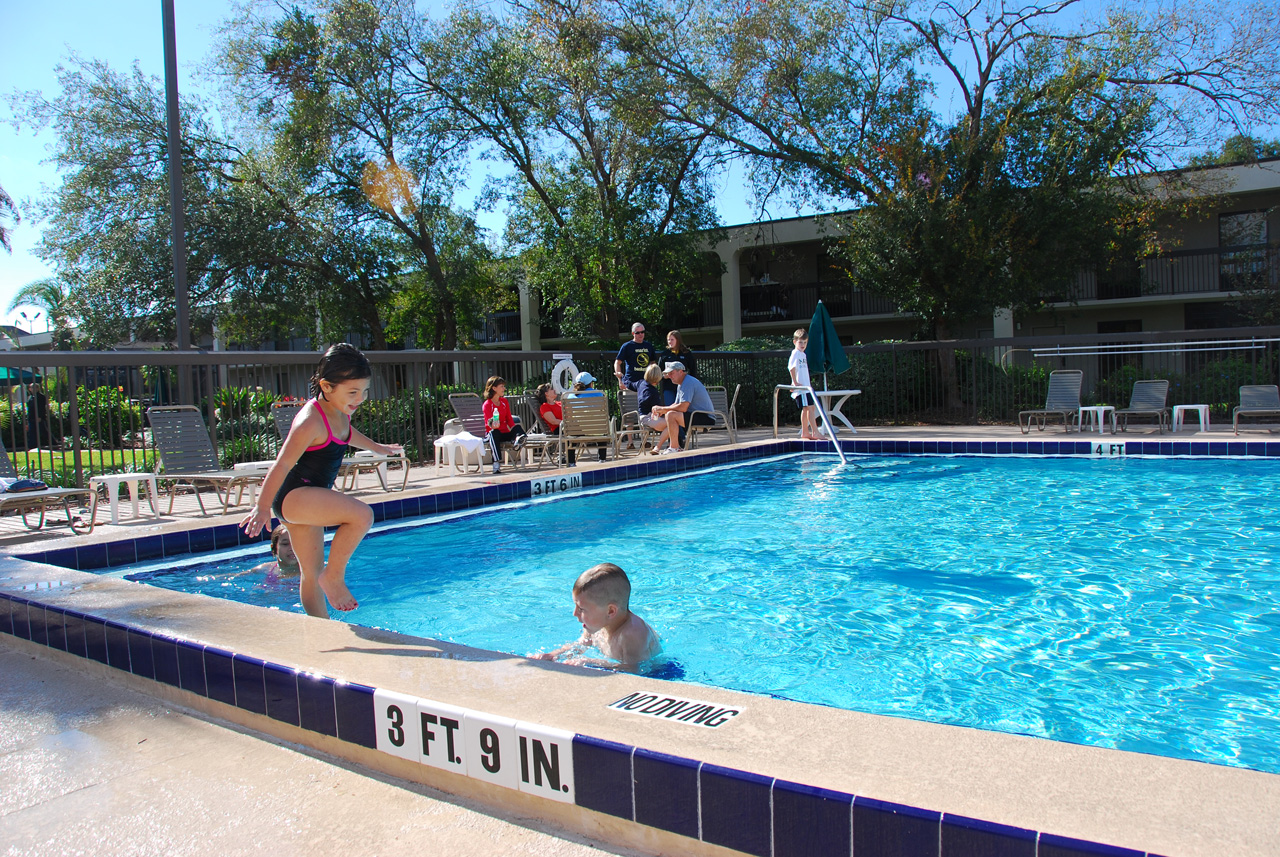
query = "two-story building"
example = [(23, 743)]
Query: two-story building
[(776, 271)]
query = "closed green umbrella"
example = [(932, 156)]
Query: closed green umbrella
[(825, 352), (10, 376)]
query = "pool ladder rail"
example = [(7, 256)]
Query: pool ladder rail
[(825, 410)]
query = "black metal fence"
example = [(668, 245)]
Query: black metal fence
[(88, 414)]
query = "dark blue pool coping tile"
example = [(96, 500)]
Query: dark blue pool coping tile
[(35, 623), (19, 618), (117, 646), (736, 809), (809, 820), (164, 658), (316, 710), (1064, 846), (121, 553), (191, 667), (666, 792), (353, 704), (602, 776), (149, 547), (880, 827), (281, 686), (73, 623), (55, 628), (176, 544), (141, 661), (91, 556), (6, 614), (95, 639), (201, 540), (971, 837), (219, 674), (64, 557), (251, 694)]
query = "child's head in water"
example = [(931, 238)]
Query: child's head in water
[(282, 550), (601, 597), (342, 378)]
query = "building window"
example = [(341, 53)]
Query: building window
[(1242, 251)]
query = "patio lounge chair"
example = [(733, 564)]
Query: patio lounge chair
[(1063, 400), (722, 413), (1148, 399), (587, 424), (470, 410), (26, 503), (1256, 400), (187, 457), (536, 437), (283, 414)]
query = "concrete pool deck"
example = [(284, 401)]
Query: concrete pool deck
[(1146, 803)]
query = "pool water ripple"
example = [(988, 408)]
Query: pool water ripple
[(1126, 604)]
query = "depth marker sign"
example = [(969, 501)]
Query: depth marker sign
[(706, 714)]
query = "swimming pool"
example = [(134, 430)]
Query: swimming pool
[(1117, 603)]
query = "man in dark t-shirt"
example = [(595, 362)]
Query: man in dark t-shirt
[(633, 358)]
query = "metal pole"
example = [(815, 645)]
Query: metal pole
[(181, 316)]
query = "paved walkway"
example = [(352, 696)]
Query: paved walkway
[(90, 767)]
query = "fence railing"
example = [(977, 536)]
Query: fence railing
[(89, 416)]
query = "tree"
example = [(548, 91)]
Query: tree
[(332, 85), (983, 207), (1238, 149), (607, 194), (9, 213), (53, 299)]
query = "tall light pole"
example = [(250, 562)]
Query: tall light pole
[(181, 315)]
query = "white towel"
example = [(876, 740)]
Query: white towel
[(464, 439)]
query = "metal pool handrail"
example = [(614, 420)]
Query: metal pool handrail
[(826, 419)]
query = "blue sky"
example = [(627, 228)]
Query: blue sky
[(40, 35)]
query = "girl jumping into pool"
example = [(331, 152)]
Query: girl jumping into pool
[(299, 485)]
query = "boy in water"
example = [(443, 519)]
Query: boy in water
[(601, 602)]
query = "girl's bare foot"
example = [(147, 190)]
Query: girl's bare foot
[(335, 589)]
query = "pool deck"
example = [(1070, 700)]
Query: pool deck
[(143, 768)]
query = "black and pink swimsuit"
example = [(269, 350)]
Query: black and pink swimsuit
[(317, 467)]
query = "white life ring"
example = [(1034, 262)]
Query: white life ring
[(558, 373)]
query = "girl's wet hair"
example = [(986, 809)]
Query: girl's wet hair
[(494, 381), (276, 535), (342, 362)]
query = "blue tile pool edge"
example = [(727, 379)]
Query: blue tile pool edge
[(544, 752), (124, 551)]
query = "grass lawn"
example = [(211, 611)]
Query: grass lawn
[(59, 468)]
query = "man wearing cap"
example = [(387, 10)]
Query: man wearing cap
[(633, 358), (691, 396)]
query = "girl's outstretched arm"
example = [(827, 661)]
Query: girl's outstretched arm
[(359, 440)]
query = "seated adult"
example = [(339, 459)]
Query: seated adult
[(550, 410), (649, 396), (690, 396), (584, 387)]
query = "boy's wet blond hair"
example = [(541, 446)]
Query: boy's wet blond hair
[(605, 583)]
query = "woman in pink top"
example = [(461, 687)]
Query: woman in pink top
[(499, 426)]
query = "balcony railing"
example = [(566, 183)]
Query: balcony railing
[(1186, 272), (796, 302), (499, 327)]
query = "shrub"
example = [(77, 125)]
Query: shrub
[(105, 416)]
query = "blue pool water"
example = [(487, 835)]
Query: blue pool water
[(1124, 603)]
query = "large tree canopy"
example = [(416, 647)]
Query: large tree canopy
[(986, 143), (607, 194)]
